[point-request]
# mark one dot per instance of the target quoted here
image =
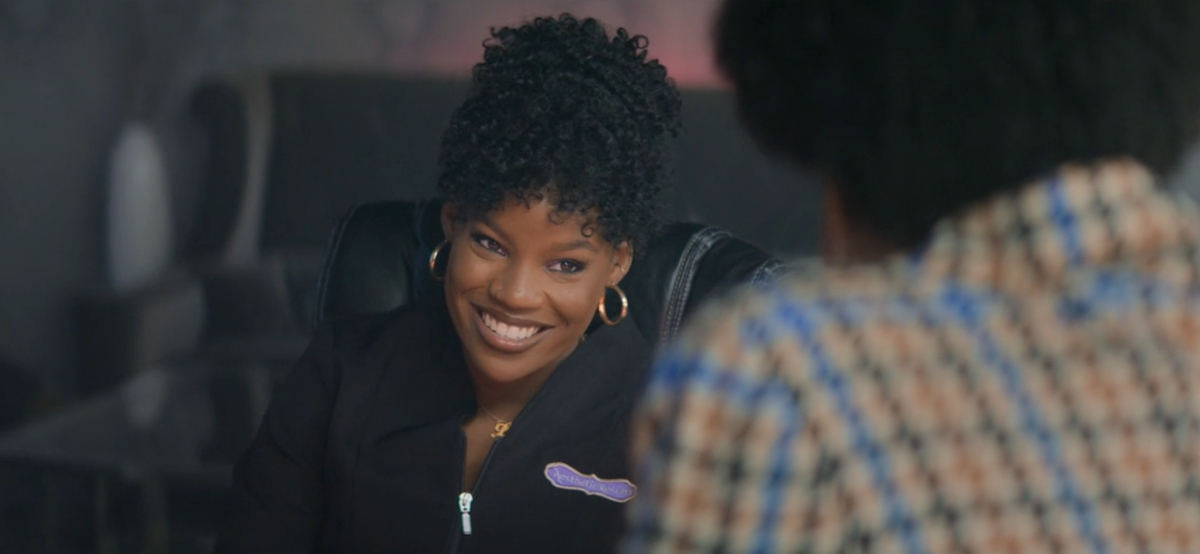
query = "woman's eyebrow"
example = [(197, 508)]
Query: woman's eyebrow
[(577, 244), (487, 222)]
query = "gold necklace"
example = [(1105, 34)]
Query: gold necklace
[(501, 425)]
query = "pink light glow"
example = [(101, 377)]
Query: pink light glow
[(444, 38)]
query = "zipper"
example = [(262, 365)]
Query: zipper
[(464, 506), (465, 499)]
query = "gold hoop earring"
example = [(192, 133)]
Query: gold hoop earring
[(433, 258), (604, 309)]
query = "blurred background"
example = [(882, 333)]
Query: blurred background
[(169, 173)]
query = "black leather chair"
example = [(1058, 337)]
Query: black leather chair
[(377, 260)]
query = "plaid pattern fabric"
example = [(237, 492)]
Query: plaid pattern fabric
[(1028, 382)]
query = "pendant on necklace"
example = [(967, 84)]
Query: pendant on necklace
[(501, 428)]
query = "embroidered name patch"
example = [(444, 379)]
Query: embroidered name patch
[(566, 477)]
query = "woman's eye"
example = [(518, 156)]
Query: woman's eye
[(567, 266), (489, 244)]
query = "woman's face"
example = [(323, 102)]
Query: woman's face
[(523, 285)]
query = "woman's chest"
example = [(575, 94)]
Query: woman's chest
[(535, 491)]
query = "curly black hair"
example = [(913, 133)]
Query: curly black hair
[(915, 109), (559, 110)]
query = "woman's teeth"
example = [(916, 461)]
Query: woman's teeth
[(510, 332)]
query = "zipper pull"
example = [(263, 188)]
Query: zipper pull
[(464, 506)]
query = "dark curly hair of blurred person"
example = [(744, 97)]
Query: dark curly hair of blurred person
[(560, 110), (913, 110)]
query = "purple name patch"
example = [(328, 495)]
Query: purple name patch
[(566, 477)]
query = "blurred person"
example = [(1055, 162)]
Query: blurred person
[(484, 421), (1000, 351)]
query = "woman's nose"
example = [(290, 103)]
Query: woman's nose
[(516, 288)]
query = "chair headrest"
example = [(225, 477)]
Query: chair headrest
[(377, 260)]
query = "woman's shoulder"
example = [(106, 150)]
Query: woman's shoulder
[(383, 333), (411, 353), (351, 352)]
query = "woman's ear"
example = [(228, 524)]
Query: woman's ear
[(622, 258), (450, 220)]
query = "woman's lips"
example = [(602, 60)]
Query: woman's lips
[(507, 336)]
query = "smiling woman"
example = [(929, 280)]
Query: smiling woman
[(522, 287), (532, 265), (495, 421)]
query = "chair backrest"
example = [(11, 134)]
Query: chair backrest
[(377, 260)]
